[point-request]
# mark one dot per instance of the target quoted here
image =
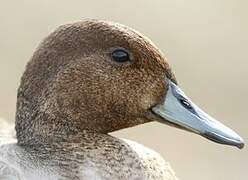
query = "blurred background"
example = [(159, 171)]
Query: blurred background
[(206, 43)]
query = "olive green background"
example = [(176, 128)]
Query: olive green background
[(206, 43)]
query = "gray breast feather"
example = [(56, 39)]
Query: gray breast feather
[(8, 173), (155, 163)]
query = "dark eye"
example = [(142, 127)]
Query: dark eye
[(185, 104), (120, 55)]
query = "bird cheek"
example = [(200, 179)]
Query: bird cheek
[(154, 97), (146, 101)]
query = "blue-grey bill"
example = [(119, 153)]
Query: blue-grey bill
[(178, 109)]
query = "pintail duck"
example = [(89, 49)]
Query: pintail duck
[(85, 80)]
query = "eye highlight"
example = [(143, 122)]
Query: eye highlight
[(120, 55)]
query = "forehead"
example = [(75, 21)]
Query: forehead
[(111, 34), (97, 36), (114, 34)]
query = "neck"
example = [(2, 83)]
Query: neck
[(46, 127)]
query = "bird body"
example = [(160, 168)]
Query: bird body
[(98, 157)]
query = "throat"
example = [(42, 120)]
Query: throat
[(45, 129)]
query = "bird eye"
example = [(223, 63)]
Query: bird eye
[(120, 55), (185, 104)]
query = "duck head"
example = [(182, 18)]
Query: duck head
[(102, 76)]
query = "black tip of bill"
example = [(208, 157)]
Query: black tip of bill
[(239, 143)]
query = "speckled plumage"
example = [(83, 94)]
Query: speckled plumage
[(73, 94), (90, 156)]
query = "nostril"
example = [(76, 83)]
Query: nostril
[(185, 103)]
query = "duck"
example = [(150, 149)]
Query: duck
[(85, 80)]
